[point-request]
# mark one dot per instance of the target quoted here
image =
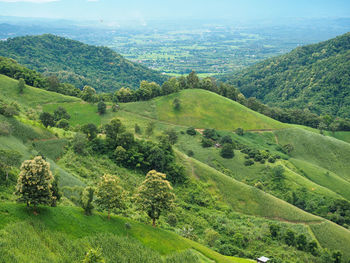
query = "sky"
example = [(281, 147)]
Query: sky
[(115, 10)]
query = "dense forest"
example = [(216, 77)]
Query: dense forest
[(77, 63), (313, 77)]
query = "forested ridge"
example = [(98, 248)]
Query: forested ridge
[(314, 77), (77, 63)]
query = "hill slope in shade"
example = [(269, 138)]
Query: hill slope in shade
[(203, 109), (314, 77), (77, 63)]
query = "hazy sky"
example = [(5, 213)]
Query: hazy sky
[(174, 9)]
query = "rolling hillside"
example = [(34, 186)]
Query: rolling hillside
[(315, 77), (220, 194), (202, 109), (77, 63)]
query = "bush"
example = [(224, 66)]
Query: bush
[(207, 143), (240, 131), (63, 124), (227, 151), (5, 129), (226, 139), (248, 162), (190, 153), (210, 134), (79, 143), (191, 131), (272, 159)]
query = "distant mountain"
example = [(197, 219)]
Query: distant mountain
[(77, 63), (316, 77)]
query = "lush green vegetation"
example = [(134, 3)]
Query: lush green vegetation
[(222, 203), (312, 77), (202, 109), (77, 63)]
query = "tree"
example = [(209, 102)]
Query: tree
[(94, 256), (227, 151), (322, 126), (155, 195), (34, 185), (60, 113), (170, 86), (9, 158), (109, 194), (278, 173), (193, 80), (149, 128), (301, 242), (177, 104), (101, 107), (172, 136), (56, 193), (274, 230), (137, 129), (114, 128), (337, 256), (207, 143), (89, 94), (79, 143), (290, 238), (240, 131), (47, 119), (86, 199), (90, 130), (63, 124), (53, 83), (21, 86), (191, 131)]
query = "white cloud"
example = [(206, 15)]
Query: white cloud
[(29, 1)]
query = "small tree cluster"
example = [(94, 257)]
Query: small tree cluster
[(34, 185)]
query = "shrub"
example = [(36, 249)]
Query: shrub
[(272, 159), (248, 162), (207, 143), (227, 151), (5, 129), (190, 153), (240, 131), (63, 124), (226, 139), (210, 134), (191, 131)]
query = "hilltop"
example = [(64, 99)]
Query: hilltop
[(77, 63), (314, 77), (202, 109)]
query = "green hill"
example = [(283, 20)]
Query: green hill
[(314, 77), (202, 109), (65, 234), (220, 198), (77, 63)]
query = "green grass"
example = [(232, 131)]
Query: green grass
[(202, 109), (31, 97), (333, 237), (246, 199), (323, 151), (323, 177), (49, 234)]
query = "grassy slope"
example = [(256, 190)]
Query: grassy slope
[(323, 151), (54, 221), (203, 109), (240, 196), (247, 199), (250, 200), (31, 97)]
